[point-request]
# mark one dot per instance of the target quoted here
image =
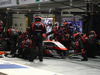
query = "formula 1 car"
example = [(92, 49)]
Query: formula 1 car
[(54, 48)]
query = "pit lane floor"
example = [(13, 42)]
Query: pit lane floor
[(62, 66)]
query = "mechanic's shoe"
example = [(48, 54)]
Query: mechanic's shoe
[(31, 60), (41, 60), (84, 59), (19, 56)]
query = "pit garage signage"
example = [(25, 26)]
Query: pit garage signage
[(9, 3), (30, 1), (6, 3)]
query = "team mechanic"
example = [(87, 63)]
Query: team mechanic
[(36, 31)]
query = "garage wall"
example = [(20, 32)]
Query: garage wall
[(51, 15), (45, 15), (45, 18), (19, 22)]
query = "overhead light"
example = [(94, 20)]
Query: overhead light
[(61, 12), (71, 1), (68, 12), (88, 1), (50, 10), (29, 10), (39, 6), (17, 12)]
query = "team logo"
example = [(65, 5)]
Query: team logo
[(38, 25)]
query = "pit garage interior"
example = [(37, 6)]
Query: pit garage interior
[(84, 16)]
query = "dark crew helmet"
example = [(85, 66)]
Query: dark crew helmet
[(37, 18)]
